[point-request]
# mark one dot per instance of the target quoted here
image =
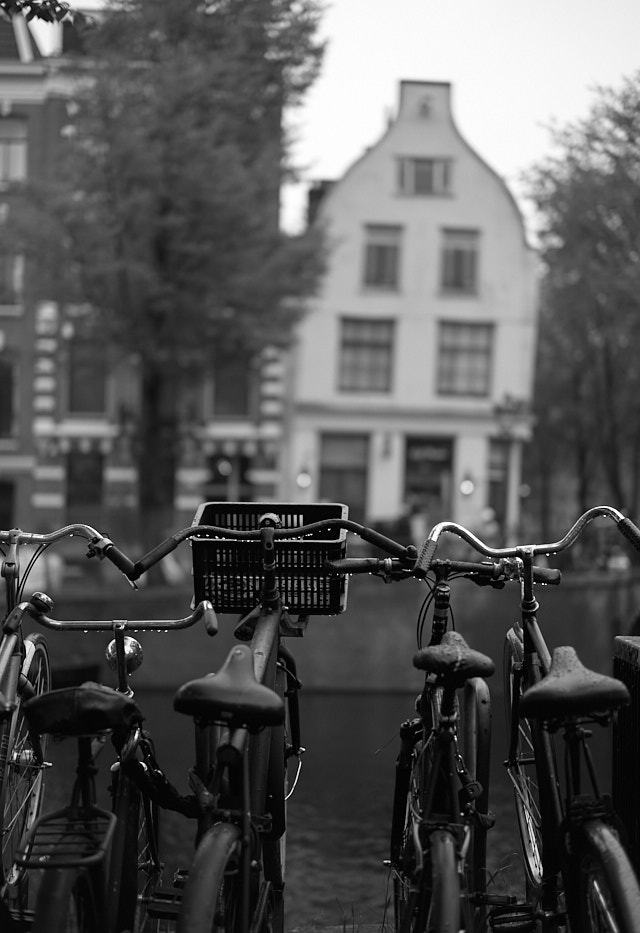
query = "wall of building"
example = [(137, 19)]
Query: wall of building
[(368, 194)]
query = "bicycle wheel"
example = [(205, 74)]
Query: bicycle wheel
[(135, 867), (608, 893), (210, 901), (21, 774), (521, 765), (444, 909), (274, 844), (68, 903), (431, 902), (474, 733)]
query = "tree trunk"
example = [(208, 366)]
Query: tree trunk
[(158, 454)]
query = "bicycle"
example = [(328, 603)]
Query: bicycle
[(247, 729), (25, 672), (578, 875), (440, 814), (101, 869)]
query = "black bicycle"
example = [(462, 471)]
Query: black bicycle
[(578, 874)]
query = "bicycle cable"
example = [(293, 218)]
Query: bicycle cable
[(39, 551)]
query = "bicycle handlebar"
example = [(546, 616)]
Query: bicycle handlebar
[(204, 610), (409, 561), (487, 572), (625, 526)]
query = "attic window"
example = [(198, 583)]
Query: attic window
[(424, 176), (424, 108)]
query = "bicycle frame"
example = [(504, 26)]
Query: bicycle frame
[(243, 758), (535, 665)]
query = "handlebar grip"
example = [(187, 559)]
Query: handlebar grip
[(546, 575), (630, 531), (154, 555), (210, 618), (120, 560), (425, 557), (354, 565)]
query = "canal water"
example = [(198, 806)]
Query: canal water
[(339, 815)]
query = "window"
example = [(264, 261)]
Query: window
[(87, 374), (460, 261), (13, 150), (84, 478), (234, 387), (382, 256), (428, 477), (424, 176), (7, 399), (7, 504), (344, 462), (464, 359), (11, 268), (366, 355), (229, 478)]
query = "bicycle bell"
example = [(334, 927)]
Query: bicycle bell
[(132, 654)]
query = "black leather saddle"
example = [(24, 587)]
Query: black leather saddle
[(84, 710), (232, 696), (570, 689), (453, 660)]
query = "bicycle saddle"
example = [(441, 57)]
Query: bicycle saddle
[(453, 659), (233, 696), (571, 689), (84, 710)]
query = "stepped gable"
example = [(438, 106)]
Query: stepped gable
[(16, 41)]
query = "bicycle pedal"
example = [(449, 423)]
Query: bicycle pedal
[(164, 904), (515, 918)]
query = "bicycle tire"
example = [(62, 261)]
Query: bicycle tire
[(522, 768), (475, 739), (607, 886), (274, 843), (211, 889), (21, 781), (68, 902), (427, 885), (444, 908), (135, 867)]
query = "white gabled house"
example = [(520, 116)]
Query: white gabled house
[(412, 376)]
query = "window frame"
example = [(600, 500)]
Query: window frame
[(366, 365), (8, 391), (425, 176), (14, 150), (85, 354), (382, 256), (465, 367), (459, 261)]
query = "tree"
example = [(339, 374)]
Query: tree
[(588, 199), (162, 212), (49, 11)]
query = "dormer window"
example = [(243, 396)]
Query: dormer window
[(417, 176)]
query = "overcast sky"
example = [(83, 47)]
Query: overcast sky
[(514, 66)]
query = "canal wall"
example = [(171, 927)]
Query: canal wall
[(369, 647)]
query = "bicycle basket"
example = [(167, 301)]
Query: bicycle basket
[(228, 572)]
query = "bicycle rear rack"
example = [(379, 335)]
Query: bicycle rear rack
[(65, 839)]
